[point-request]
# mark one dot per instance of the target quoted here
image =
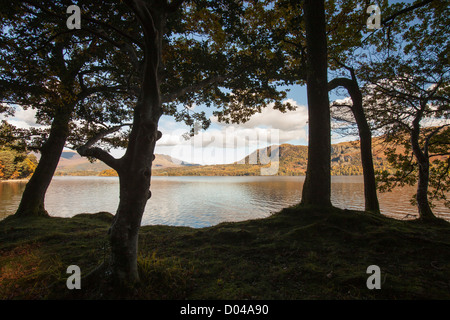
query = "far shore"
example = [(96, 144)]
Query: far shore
[(15, 180)]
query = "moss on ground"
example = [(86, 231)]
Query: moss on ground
[(298, 253)]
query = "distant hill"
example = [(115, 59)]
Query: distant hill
[(71, 163), (292, 161)]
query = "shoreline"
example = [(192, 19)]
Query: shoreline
[(15, 180), (296, 254)]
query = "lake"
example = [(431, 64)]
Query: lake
[(204, 201)]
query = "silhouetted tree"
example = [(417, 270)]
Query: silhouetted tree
[(182, 52), (407, 95), (44, 65), (317, 186)]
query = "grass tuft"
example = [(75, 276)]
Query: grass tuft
[(297, 253)]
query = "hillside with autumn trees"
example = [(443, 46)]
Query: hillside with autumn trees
[(292, 161), (16, 165)]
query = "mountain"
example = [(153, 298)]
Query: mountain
[(71, 163), (289, 160)]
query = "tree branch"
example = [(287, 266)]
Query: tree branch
[(123, 46), (339, 82), (144, 15), (121, 32), (174, 5), (129, 50), (87, 150), (428, 138), (439, 154), (405, 10), (387, 21), (100, 154), (192, 88)]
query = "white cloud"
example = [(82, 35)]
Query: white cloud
[(23, 118), (226, 143), (435, 122), (344, 101), (28, 115), (270, 117)]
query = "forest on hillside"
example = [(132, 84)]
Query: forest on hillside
[(290, 160), (16, 165)]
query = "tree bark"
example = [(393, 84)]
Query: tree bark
[(370, 186), (134, 181), (134, 168), (317, 186), (32, 202), (365, 138), (134, 172), (425, 212)]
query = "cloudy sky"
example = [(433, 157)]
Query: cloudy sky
[(22, 118), (221, 143)]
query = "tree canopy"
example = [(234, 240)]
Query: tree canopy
[(133, 61), (406, 97)]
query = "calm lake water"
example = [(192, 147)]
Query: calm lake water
[(203, 201)]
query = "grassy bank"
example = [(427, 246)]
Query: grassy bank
[(295, 254)]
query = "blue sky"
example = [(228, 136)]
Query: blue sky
[(291, 128), (223, 143), (227, 143)]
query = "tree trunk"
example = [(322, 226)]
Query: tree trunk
[(317, 186), (134, 168), (365, 138), (370, 186), (134, 171), (134, 194), (425, 212), (32, 202)]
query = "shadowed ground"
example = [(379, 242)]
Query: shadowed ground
[(298, 253)]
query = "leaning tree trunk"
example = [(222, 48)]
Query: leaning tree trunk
[(134, 180), (370, 186), (32, 202), (134, 168), (425, 212), (317, 186), (365, 138)]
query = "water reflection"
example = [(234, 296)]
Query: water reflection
[(203, 201), (10, 194)]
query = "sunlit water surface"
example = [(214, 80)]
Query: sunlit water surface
[(204, 201)]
